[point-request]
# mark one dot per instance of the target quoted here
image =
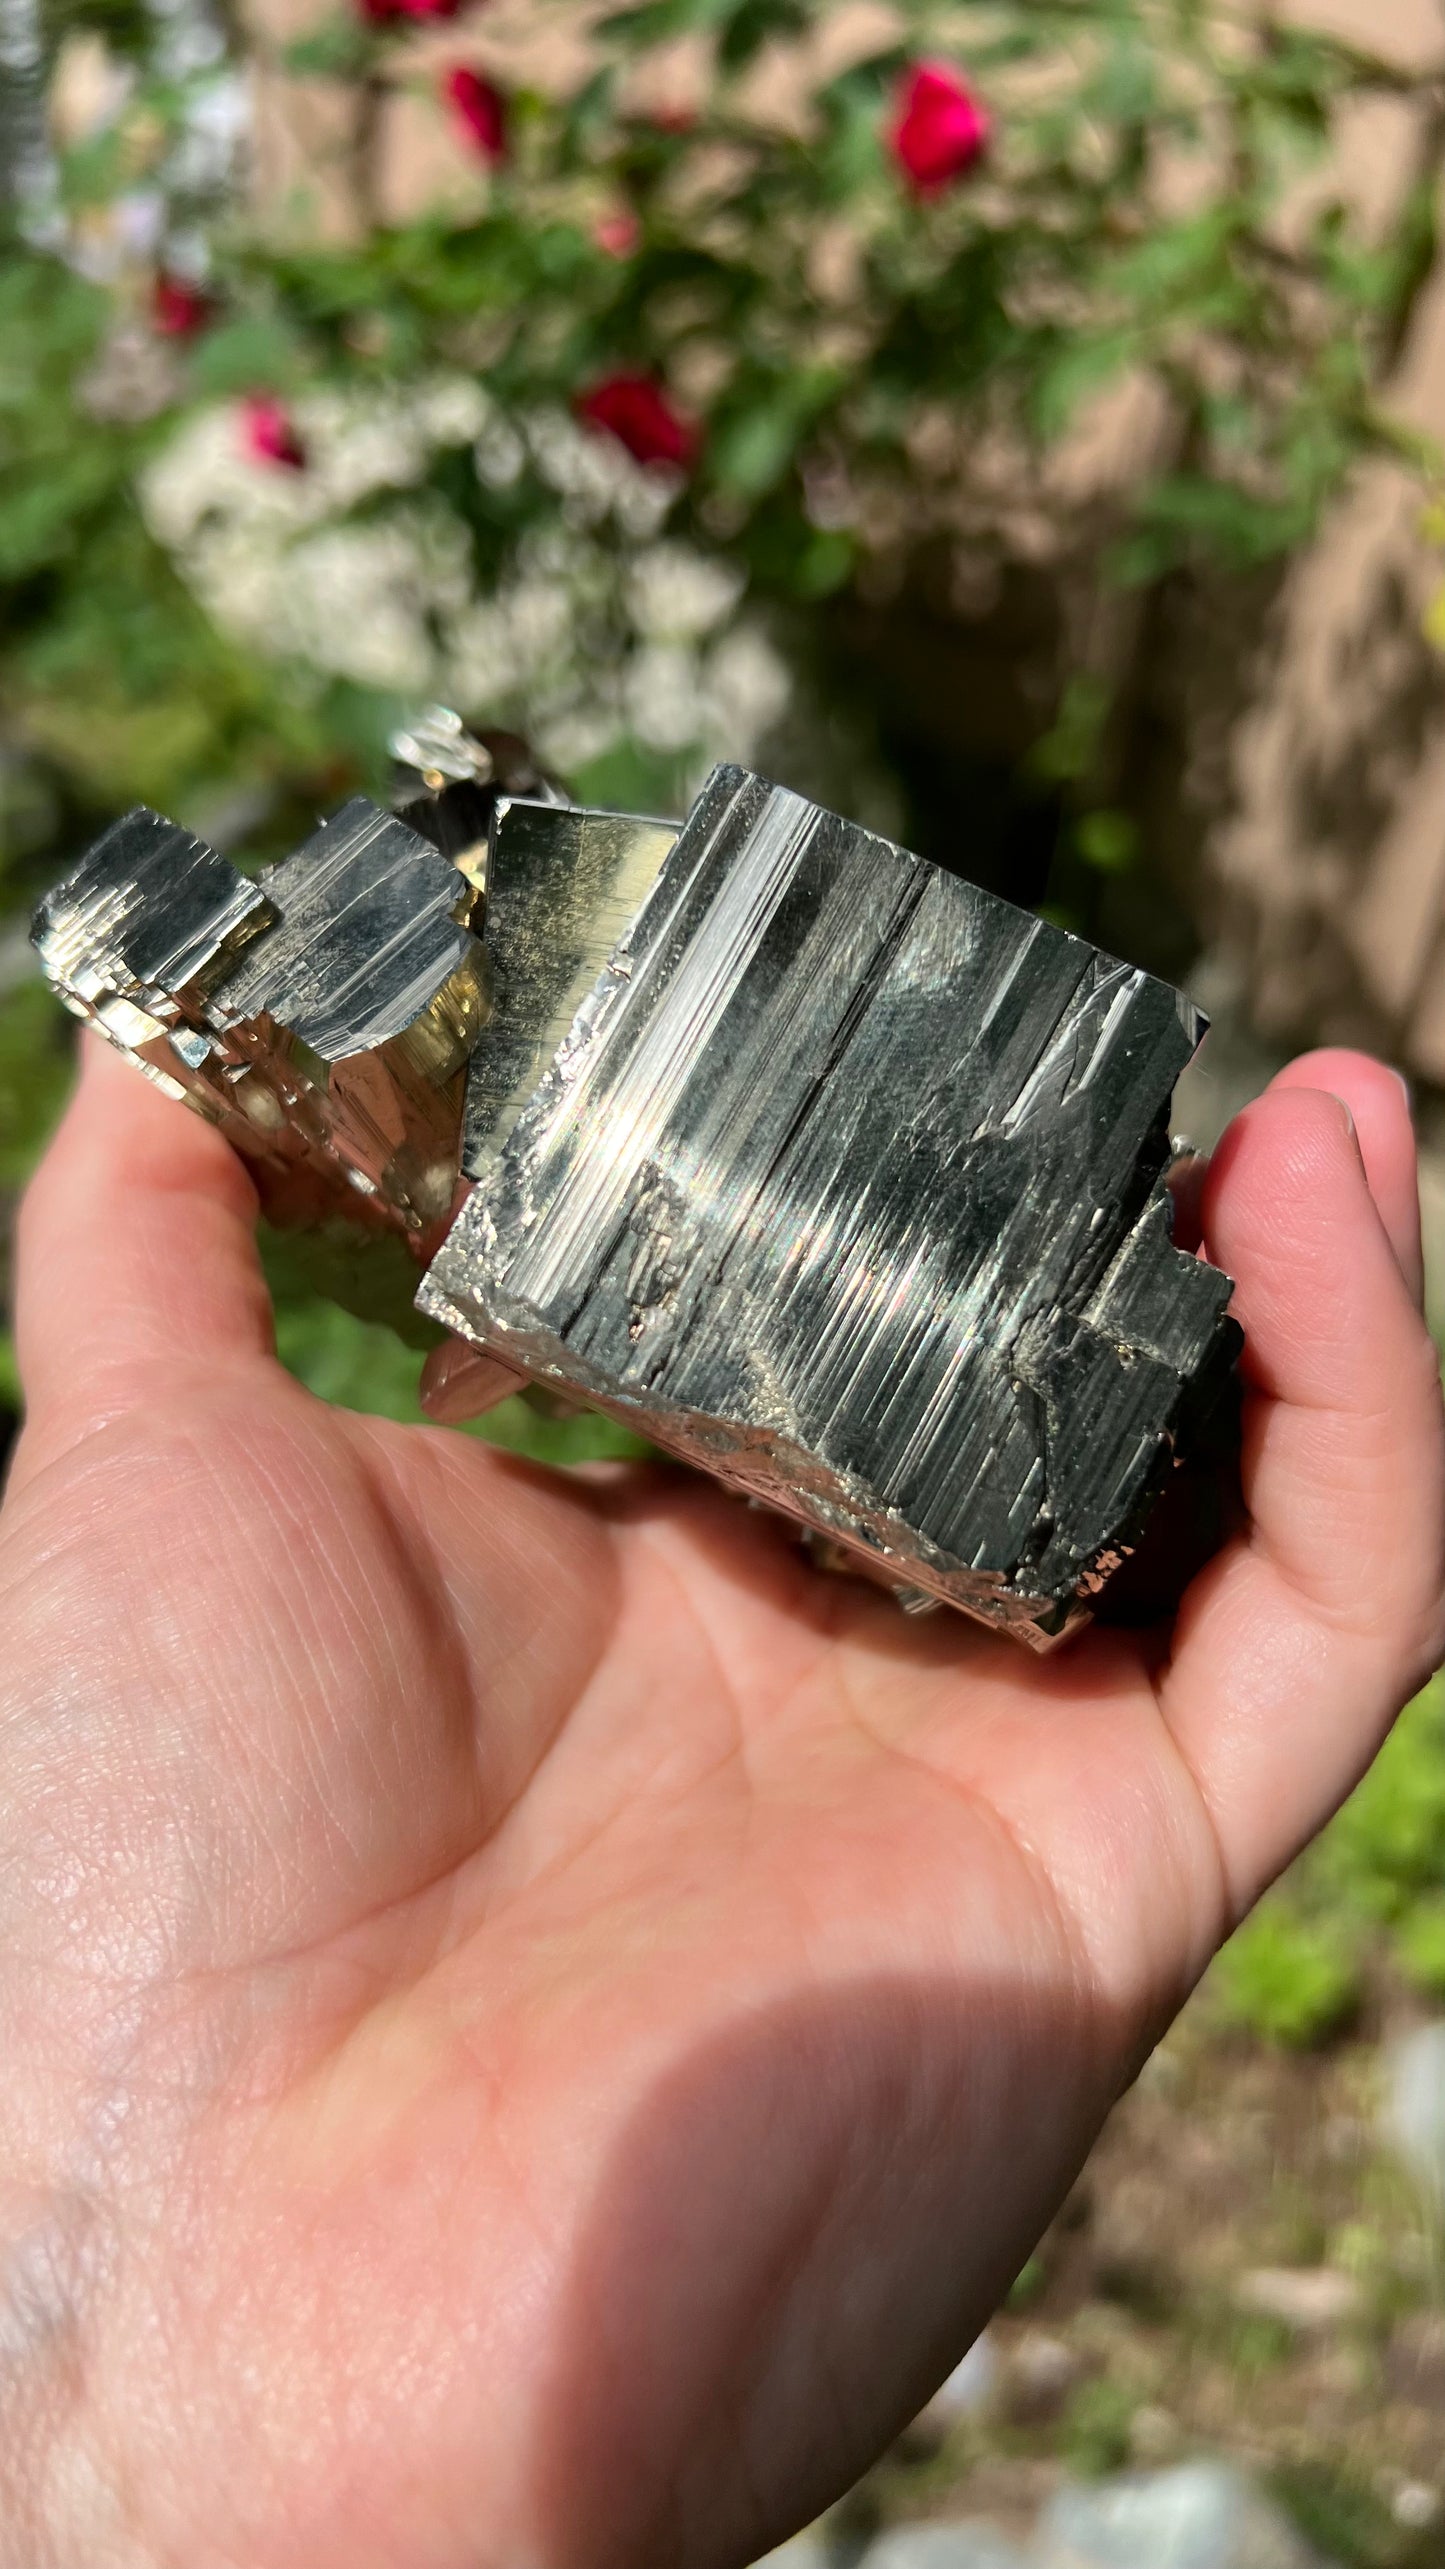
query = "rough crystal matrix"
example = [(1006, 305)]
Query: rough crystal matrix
[(846, 1183)]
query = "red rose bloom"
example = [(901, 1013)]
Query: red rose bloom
[(178, 309), (941, 128), (479, 109), (269, 434), (636, 411), (385, 13), (617, 233)]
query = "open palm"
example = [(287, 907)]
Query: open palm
[(535, 2027)]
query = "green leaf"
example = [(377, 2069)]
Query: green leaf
[(1096, 2428), (1388, 1843), (253, 353), (1068, 750), (37, 1046), (1420, 1945), (750, 453), (1125, 89), (655, 21), (1080, 367), (338, 49), (1179, 260), (751, 24), (1107, 840), (1195, 513), (1292, 1980), (757, 432), (41, 510)]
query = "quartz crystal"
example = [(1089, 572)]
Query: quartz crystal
[(821, 1167)]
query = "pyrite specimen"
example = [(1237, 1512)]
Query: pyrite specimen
[(562, 887), (446, 782), (323, 1015), (825, 1169), (846, 1182)]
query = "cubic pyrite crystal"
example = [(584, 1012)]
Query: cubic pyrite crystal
[(846, 1183), (825, 1169)]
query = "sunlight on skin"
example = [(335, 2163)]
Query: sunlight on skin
[(537, 2027)]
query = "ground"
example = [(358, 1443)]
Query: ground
[(1242, 2270)]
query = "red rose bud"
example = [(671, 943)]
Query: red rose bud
[(636, 411), (617, 233), (941, 128), (178, 309), (386, 13), (479, 109), (269, 435)]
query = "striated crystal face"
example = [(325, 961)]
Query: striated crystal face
[(323, 1016), (141, 932), (821, 1167), (562, 887), (846, 1182)]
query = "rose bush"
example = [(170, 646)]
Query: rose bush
[(818, 293)]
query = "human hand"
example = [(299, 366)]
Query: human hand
[(535, 2027)]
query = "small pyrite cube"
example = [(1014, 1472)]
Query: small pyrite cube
[(846, 1182)]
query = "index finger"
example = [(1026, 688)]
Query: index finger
[(135, 1258)]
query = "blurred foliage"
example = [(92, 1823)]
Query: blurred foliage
[(1373, 1885), (365, 1366), (34, 1075), (1095, 2434), (1348, 2521), (1291, 1979), (847, 347)]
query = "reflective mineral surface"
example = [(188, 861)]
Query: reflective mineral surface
[(846, 1183), (323, 1015), (562, 888), (823, 1168)]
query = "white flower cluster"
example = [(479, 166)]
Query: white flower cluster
[(603, 631)]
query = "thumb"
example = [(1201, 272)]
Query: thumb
[(1296, 1647)]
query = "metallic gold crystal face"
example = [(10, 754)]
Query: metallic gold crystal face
[(563, 887)]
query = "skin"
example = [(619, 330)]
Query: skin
[(536, 2027)]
